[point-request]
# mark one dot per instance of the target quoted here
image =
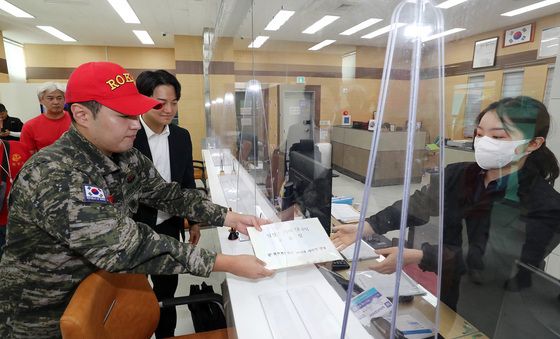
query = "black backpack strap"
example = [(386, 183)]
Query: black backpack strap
[(5, 161)]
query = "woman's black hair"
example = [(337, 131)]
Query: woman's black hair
[(147, 81), (532, 118)]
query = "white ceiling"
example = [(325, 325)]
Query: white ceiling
[(94, 22)]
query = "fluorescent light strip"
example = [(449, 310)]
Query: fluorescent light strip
[(530, 7), (124, 10), (383, 30), (321, 23), (55, 32), (279, 19), (144, 37), (322, 44), (360, 26), (258, 42), (13, 10), (450, 3), (439, 35)]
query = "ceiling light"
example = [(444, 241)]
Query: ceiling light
[(258, 42), (360, 26), (450, 3), (324, 21), (448, 32), (125, 11), (414, 31), (53, 31), (383, 30), (321, 45), (279, 19), (13, 10), (144, 37), (530, 7)]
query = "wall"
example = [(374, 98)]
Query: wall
[(4, 77), (359, 96)]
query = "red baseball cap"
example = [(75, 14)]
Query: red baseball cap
[(110, 85)]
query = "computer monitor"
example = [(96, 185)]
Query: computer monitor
[(311, 187)]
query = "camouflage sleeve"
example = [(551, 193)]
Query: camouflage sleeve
[(169, 197), (104, 235)]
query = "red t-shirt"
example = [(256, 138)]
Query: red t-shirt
[(18, 156), (41, 131)]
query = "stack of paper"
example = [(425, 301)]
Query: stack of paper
[(385, 283), (366, 252), (344, 213)]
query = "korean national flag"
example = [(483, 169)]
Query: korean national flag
[(93, 193)]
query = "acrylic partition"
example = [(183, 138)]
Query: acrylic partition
[(424, 147)]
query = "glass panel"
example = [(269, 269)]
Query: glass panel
[(364, 129)]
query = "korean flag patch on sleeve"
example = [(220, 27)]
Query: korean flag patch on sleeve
[(94, 194)]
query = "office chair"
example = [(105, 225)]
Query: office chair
[(200, 174), (113, 305)]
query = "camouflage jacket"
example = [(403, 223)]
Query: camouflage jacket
[(70, 215)]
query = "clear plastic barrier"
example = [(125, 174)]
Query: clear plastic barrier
[(364, 123)]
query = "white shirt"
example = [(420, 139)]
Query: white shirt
[(159, 147)]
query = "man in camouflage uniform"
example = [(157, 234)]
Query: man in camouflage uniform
[(71, 207)]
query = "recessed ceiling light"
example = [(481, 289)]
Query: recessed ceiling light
[(321, 45), (448, 32), (258, 42), (55, 32), (383, 30), (450, 3), (530, 7), (279, 19), (144, 37), (124, 10), (360, 26), (13, 10), (320, 24)]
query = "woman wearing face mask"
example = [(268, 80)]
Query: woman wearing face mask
[(506, 200)]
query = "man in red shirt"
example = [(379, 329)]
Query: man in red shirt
[(46, 128), (13, 154)]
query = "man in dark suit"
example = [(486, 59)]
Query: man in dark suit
[(170, 148)]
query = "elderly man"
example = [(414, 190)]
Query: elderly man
[(72, 203), (46, 128)]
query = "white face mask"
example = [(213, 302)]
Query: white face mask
[(493, 153)]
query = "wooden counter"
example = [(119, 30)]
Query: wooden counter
[(351, 148)]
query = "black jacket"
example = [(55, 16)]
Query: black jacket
[(13, 125), (517, 221), (180, 159)]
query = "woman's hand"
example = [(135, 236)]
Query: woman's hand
[(344, 235), (241, 221), (389, 265)]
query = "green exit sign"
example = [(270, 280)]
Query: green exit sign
[(300, 80)]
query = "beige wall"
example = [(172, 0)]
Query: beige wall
[(4, 77), (289, 59)]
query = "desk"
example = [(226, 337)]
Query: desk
[(250, 320), (244, 303)]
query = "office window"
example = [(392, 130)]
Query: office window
[(16, 60), (512, 84), (548, 85), (349, 66), (473, 103)]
